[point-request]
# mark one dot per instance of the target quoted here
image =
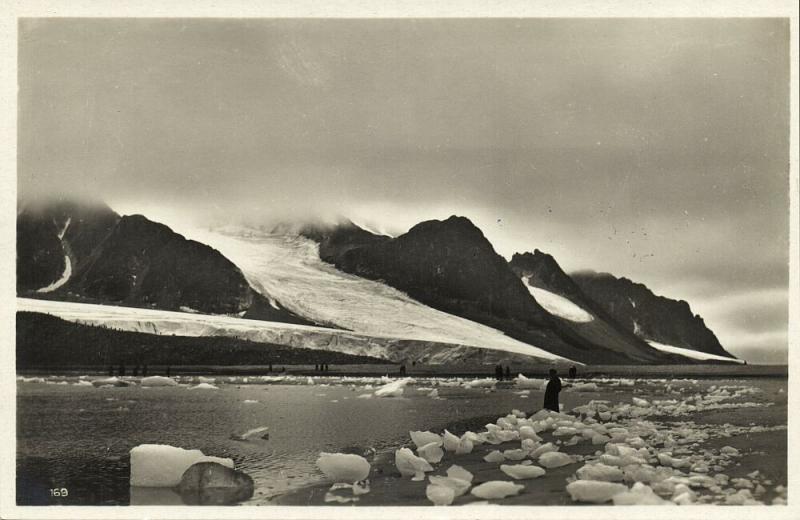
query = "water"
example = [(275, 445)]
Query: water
[(79, 437)]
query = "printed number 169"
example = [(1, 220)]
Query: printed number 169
[(59, 492)]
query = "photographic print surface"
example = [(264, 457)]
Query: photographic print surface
[(402, 262)]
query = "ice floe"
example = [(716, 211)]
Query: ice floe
[(343, 467)]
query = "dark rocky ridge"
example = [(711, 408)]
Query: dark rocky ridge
[(451, 266), (543, 271), (40, 253), (648, 315), (130, 261)]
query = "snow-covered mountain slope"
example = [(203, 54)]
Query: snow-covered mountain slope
[(67, 264), (397, 349), (288, 269), (692, 354), (558, 305)]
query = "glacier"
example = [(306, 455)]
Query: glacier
[(287, 268), (395, 349)]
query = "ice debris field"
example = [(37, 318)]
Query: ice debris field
[(635, 451)]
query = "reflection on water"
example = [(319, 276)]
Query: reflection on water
[(78, 438)]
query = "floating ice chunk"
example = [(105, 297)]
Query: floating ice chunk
[(158, 381), (410, 465), (250, 433), (640, 402), (494, 456), (495, 489), (109, 381), (742, 483), (639, 495), (480, 383), (420, 438), (250, 401), (555, 459), (203, 386), (83, 383), (741, 498), (393, 389), (544, 448), (729, 450), (432, 452), (449, 441), (434, 393), (343, 467), (210, 483), (600, 471), (600, 439), (507, 435), (364, 396), (523, 382), (161, 465), (519, 471), (458, 472), (464, 446), (527, 432), (515, 454), (529, 445), (440, 495), (206, 379), (459, 486), (594, 491), (473, 437), (564, 431), (585, 387)]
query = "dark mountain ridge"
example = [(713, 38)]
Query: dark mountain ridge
[(131, 261), (648, 315), (451, 266), (543, 271)]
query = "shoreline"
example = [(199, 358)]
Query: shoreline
[(762, 452), (694, 371)]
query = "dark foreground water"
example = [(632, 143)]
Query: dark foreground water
[(78, 437)]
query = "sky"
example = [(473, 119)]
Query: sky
[(653, 149)]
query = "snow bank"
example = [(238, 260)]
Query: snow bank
[(692, 354), (557, 305), (65, 276)]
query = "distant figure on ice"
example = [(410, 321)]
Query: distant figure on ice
[(498, 372), (508, 373), (573, 372), (402, 370), (551, 392)]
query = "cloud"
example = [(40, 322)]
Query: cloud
[(652, 149)]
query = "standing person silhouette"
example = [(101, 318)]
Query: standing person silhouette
[(551, 391)]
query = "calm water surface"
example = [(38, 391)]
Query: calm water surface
[(78, 438)]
